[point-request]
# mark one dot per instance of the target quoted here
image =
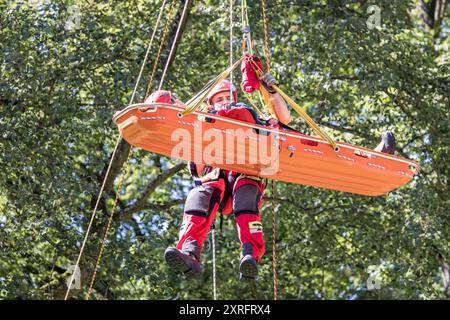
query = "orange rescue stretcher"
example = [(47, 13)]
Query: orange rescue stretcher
[(235, 145)]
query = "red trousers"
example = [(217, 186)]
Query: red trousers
[(243, 194)]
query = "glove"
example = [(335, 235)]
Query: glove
[(268, 81), (250, 81)]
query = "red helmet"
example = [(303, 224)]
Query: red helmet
[(222, 86), (161, 96)]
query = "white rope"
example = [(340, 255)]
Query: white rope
[(92, 220), (214, 263), (173, 45), (213, 234), (231, 49), (148, 51), (110, 162)]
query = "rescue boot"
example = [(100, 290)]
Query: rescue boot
[(387, 144), (186, 261), (248, 266)]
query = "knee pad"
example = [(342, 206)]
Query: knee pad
[(201, 201), (246, 199)]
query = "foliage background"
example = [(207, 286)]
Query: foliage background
[(59, 88)]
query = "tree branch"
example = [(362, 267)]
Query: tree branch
[(158, 181), (148, 206), (141, 201)]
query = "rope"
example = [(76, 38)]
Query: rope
[(103, 243), (112, 157), (213, 234), (105, 235), (231, 48), (247, 46), (274, 247), (173, 45), (297, 108), (266, 35), (195, 102), (246, 39), (92, 219), (161, 43), (148, 51)]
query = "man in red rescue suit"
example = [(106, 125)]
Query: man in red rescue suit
[(224, 191), (228, 191)]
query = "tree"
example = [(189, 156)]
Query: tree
[(64, 75)]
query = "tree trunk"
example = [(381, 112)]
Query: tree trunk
[(123, 150), (432, 14)]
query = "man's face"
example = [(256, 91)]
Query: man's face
[(221, 100)]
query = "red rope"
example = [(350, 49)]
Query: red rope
[(266, 35), (274, 255)]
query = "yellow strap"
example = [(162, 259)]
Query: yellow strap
[(297, 108), (269, 108), (252, 102), (306, 117), (192, 106)]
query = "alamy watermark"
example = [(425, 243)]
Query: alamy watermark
[(73, 22), (374, 280), (74, 280), (374, 19), (254, 149)]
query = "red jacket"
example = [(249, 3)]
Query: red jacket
[(240, 112)]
